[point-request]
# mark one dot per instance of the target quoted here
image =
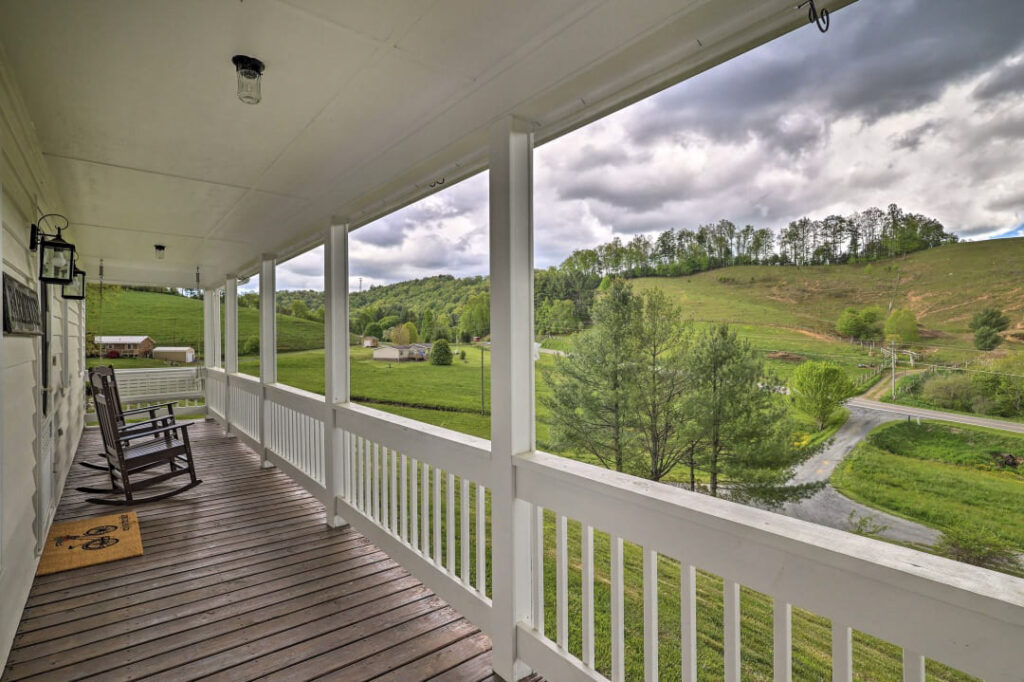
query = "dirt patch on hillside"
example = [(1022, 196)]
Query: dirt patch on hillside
[(785, 356)]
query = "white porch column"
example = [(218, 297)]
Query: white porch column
[(231, 325), (512, 382), (336, 359), (268, 341), (211, 327)]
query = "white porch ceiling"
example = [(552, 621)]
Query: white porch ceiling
[(364, 102)]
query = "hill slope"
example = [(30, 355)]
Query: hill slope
[(178, 321), (944, 286)]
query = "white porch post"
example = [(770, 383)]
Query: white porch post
[(268, 343), (512, 383), (336, 360), (211, 327), (231, 325)]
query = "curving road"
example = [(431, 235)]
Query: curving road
[(904, 411), (828, 507)]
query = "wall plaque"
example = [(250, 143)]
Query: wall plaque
[(21, 309)]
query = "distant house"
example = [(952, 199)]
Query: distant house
[(370, 342), (125, 346), (183, 354), (411, 352)]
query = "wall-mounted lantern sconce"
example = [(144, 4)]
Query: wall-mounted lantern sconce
[(75, 291), (160, 249), (249, 71), (56, 256)]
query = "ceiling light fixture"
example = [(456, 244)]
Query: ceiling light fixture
[(249, 71)]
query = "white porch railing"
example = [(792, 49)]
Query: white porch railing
[(421, 493)]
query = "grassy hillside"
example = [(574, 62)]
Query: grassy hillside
[(178, 321), (943, 286)]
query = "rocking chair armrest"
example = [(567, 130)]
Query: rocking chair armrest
[(150, 408), (145, 424), (135, 435)]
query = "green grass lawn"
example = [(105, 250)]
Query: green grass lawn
[(938, 475), (178, 321)]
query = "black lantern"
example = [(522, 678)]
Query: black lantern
[(56, 256), (75, 291)]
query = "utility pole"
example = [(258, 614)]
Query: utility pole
[(892, 354), (360, 285)]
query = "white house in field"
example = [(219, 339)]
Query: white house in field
[(403, 353), (193, 144)]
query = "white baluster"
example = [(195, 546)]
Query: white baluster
[(688, 621), (437, 516), (561, 583), (425, 512), (481, 539), (405, 498), (464, 531), (449, 510), (783, 640), (913, 666), (842, 653), (650, 570), (538, 568), (731, 623), (587, 558), (617, 612)]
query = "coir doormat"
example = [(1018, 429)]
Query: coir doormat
[(85, 542)]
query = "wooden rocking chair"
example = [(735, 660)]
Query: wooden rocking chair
[(107, 372), (140, 453)]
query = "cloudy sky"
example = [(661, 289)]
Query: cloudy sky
[(918, 102)]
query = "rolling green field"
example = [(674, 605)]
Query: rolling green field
[(939, 475), (178, 321)]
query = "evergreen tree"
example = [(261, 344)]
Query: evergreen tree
[(741, 420), (660, 385), (591, 391), (441, 353)]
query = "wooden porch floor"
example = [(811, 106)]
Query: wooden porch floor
[(241, 579)]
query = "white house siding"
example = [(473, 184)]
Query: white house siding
[(27, 187)]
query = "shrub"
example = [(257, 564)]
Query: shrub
[(441, 353), (462, 355), (951, 392), (978, 546), (903, 325), (251, 346), (986, 338), (993, 318), (373, 329)]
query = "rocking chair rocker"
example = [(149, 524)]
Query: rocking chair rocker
[(137, 452)]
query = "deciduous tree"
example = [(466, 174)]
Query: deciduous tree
[(819, 388)]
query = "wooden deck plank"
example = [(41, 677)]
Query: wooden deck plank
[(241, 579)]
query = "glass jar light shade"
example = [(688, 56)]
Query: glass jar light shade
[(250, 73)]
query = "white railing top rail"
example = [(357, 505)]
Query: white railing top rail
[(966, 617), (452, 451), (297, 399), (245, 382)]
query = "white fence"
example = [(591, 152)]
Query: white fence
[(421, 493)]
